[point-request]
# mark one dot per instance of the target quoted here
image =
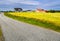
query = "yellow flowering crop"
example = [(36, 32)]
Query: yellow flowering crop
[(49, 17)]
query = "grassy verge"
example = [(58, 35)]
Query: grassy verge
[(44, 24), (1, 35), (0, 32)]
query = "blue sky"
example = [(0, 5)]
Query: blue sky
[(29, 4)]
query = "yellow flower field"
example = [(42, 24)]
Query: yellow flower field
[(49, 17)]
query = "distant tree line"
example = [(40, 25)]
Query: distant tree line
[(20, 9), (53, 11)]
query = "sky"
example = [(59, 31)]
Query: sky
[(29, 4)]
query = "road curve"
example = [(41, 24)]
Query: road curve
[(18, 31)]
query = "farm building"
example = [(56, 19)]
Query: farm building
[(41, 10)]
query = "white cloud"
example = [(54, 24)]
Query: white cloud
[(5, 2), (28, 2), (52, 3)]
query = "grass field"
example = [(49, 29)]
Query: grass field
[(46, 20)]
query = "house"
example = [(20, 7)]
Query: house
[(41, 10)]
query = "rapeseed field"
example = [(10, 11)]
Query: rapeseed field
[(49, 17)]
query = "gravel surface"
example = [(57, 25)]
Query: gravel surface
[(19, 31)]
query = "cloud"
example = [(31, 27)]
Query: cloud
[(30, 2), (6, 2), (50, 4), (27, 2)]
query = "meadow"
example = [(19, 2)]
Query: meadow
[(43, 19)]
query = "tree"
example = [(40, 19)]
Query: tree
[(18, 9), (52, 11)]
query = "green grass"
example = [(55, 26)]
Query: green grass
[(1, 35), (0, 32), (44, 24)]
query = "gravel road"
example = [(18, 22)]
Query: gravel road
[(19, 31)]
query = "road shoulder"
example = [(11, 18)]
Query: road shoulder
[(1, 35)]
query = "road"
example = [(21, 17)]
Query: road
[(19, 31)]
